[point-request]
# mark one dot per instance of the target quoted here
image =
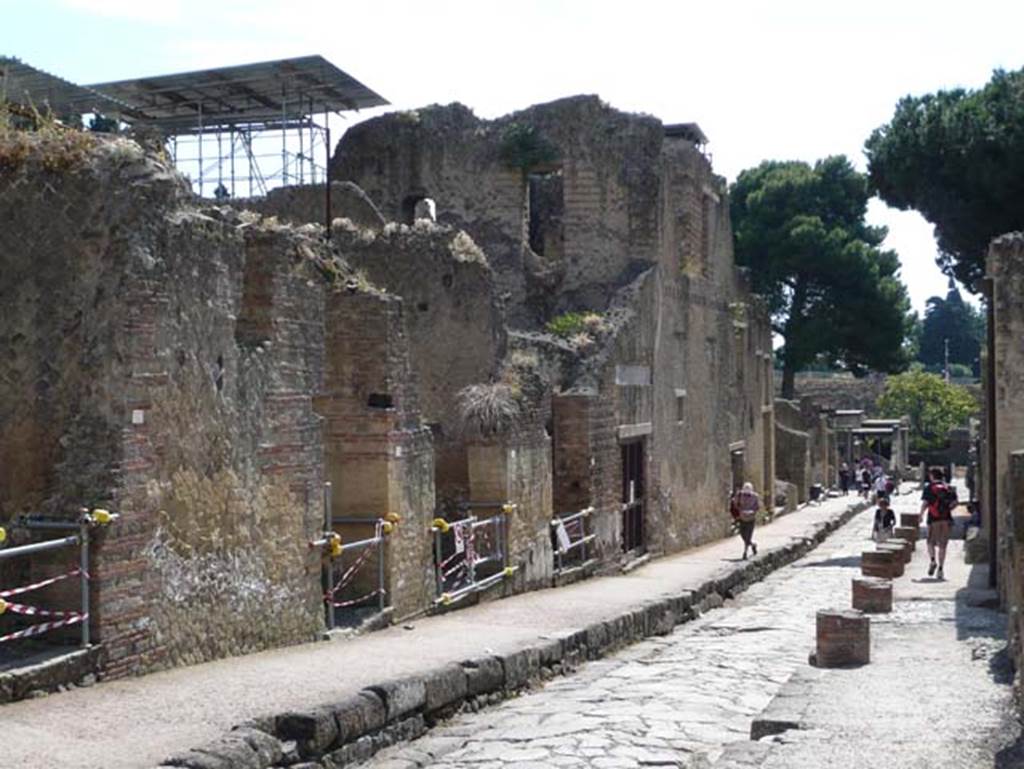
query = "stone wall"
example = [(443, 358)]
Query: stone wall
[(806, 444), (843, 391), (631, 225), (606, 160), (455, 326), (1006, 271), (304, 204), (377, 455), (160, 359)]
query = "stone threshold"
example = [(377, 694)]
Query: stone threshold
[(398, 710), (54, 673)]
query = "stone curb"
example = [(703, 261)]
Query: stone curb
[(788, 708), (352, 730)]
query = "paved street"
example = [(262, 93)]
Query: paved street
[(165, 713), (935, 690)]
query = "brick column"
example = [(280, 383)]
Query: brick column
[(872, 595), (843, 639)]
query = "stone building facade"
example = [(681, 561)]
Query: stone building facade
[(204, 370), (666, 397), (1005, 478)]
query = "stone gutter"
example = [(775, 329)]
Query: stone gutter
[(397, 710)]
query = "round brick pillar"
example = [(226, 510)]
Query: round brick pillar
[(897, 546), (872, 595), (908, 533), (844, 638), (911, 521), (887, 564)]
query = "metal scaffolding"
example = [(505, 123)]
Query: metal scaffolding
[(234, 131), (244, 129)]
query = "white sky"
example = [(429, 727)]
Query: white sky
[(789, 79)]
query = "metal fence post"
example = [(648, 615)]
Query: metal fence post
[(328, 576), (440, 562), (380, 566), (83, 567), (470, 546)]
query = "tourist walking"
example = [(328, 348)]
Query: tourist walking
[(938, 500), (844, 478), (865, 482), (881, 484), (744, 508)]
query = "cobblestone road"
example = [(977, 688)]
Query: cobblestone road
[(670, 701)]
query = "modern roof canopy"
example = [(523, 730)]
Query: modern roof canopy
[(28, 86), (282, 92)]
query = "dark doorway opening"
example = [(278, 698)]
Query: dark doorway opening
[(547, 208), (738, 468), (633, 523)]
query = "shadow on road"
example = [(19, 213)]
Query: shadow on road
[(978, 618), (847, 561)]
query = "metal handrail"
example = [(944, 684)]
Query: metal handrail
[(87, 520), (561, 551), (441, 527), (333, 548)]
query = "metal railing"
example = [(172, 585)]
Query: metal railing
[(334, 549), (54, 619), (471, 554), (570, 535)]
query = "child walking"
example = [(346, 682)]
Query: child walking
[(885, 521)]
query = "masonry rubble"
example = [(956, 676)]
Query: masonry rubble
[(204, 369)]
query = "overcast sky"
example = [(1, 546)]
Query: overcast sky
[(788, 79)]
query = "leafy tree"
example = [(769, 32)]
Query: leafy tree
[(934, 406), (957, 157), (954, 320), (834, 294)]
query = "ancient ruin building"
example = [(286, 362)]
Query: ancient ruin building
[(661, 394), (519, 319)]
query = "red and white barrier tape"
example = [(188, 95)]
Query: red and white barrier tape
[(349, 573), (44, 627), (354, 601), (32, 611), (28, 588)]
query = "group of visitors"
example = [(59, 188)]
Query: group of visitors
[(868, 477), (938, 501)]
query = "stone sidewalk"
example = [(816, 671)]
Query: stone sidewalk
[(361, 694)]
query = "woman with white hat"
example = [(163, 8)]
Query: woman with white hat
[(745, 506)]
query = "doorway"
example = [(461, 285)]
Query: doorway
[(633, 524)]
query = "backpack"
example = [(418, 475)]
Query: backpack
[(945, 501)]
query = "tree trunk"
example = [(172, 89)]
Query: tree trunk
[(789, 359), (788, 379)]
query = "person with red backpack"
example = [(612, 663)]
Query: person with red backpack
[(938, 500)]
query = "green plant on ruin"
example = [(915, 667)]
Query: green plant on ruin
[(29, 135), (524, 148), (572, 324)]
